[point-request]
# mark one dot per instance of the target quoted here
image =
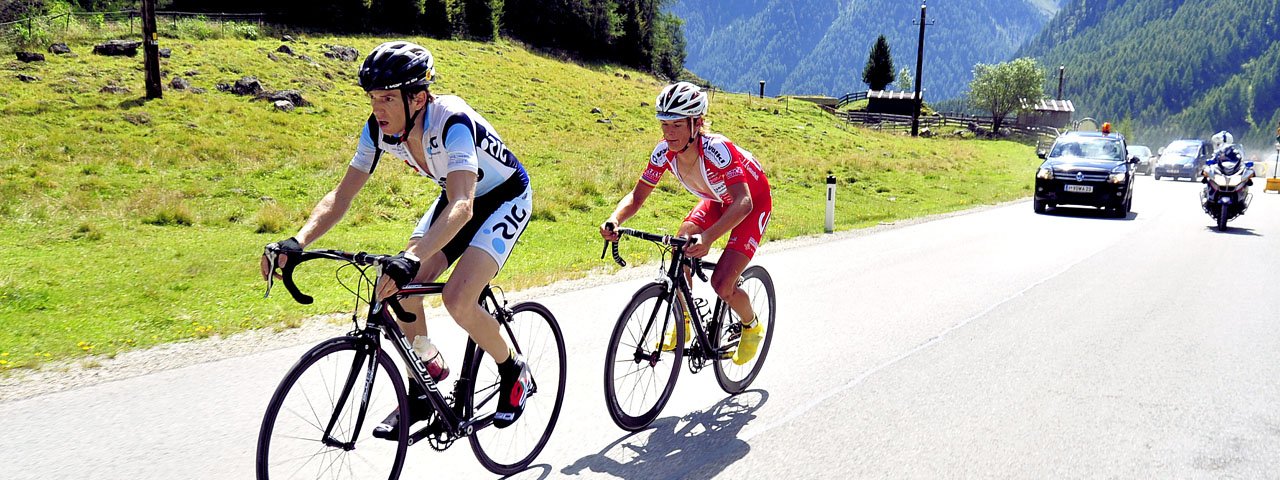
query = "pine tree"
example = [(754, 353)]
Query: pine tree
[(879, 70)]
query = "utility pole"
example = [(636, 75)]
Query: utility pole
[(150, 49), (1061, 73), (915, 115)]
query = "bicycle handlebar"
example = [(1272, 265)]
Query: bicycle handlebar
[(668, 240), (297, 258)]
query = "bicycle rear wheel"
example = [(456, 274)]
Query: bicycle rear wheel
[(638, 375), (734, 378), (538, 339), (324, 392)]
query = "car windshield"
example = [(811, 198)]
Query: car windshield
[(1091, 148), (1140, 151), (1188, 149)]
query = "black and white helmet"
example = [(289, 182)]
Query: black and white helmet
[(681, 100), (395, 65)]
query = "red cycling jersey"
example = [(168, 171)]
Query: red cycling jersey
[(722, 164)]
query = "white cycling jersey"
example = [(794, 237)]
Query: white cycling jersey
[(454, 137)]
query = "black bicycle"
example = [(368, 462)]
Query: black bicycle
[(319, 425), (639, 373)]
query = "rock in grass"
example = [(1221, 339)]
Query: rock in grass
[(344, 53), (28, 57), (118, 48), (246, 86), (59, 48), (292, 96)]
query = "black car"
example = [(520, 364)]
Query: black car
[(1183, 159), (1086, 168)]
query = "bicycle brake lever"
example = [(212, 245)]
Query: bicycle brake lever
[(697, 269), (271, 271)]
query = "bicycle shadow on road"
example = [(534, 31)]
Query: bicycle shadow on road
[(698, 445)]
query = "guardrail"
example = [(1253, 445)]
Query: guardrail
[(850, 98)]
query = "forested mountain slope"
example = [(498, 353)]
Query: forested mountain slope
[(820, 46)]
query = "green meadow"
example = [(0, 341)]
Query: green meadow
[(130, 223)]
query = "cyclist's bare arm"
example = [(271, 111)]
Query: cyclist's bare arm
[(627, 207), (733, 215), (462, 194), (327, 213)]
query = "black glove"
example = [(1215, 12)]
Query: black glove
[(287, 246), (401, 268)]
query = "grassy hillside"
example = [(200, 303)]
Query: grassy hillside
[(129, 223)]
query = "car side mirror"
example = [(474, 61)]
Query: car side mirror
[(1041, 154), (1160, 151)]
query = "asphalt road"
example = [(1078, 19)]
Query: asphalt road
[(997, 343)]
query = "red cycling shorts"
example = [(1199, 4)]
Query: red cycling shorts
[(744, 238)]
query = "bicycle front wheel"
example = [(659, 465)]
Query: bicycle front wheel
[(638, 374), (319, 423), (534, 332), (735, 377)]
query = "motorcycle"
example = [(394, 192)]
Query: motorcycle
[(1226, 193)]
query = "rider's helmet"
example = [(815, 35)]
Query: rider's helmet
[(397, 65), (403, 66), (1222, 138), (681, 100)]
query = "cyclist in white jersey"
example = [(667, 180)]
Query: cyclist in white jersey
[(484, 205)]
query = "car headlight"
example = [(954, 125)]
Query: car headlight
[(1117, 174), (1045, 173)]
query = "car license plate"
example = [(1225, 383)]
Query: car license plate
[(1172, 169), (1080, 188)]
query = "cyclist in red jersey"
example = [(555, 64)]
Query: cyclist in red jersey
[(734, 199)]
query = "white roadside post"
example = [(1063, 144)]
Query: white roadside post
[(831, 203)]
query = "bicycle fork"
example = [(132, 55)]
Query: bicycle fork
[(369, 352)]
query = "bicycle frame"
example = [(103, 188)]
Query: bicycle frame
[(678, 284), (379, 323)]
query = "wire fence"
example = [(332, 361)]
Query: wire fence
[(37, 32)]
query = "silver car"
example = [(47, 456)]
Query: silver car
[(1146, 159)]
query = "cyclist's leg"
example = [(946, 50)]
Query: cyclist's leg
[(497, 229), (738, 251), (475, 269), (725, 282)]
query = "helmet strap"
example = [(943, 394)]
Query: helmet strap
[(409, 120), (691, 138)]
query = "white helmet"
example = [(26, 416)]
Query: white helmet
[(1222, 138), (681, 100)]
